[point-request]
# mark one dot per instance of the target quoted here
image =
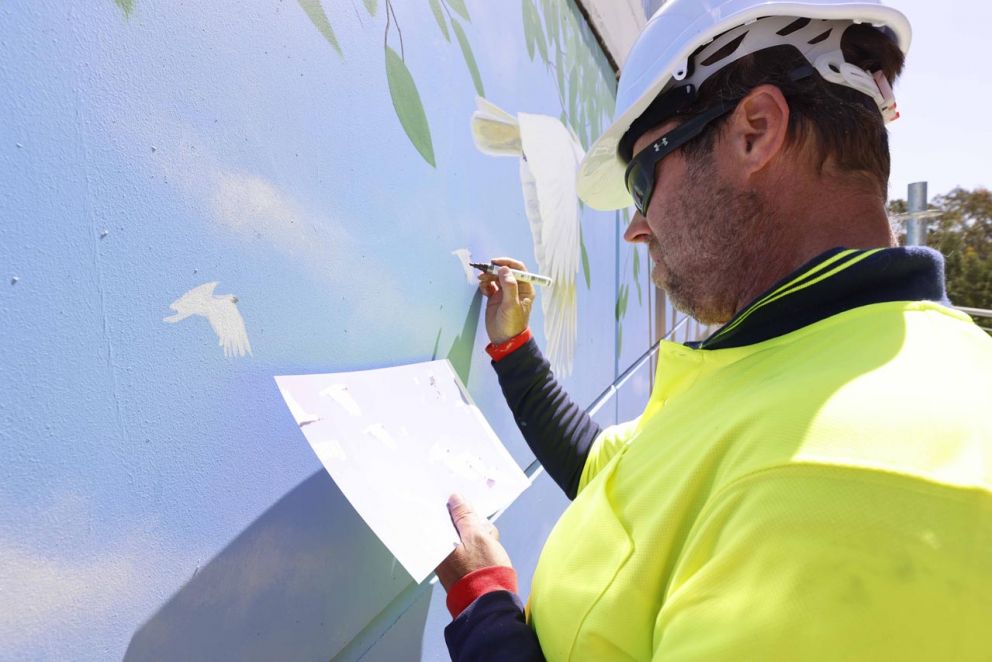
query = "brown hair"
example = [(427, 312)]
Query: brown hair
[(838, 122)]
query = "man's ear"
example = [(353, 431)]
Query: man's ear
[(757, 129)]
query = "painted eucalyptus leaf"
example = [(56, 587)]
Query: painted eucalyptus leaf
[(573, 89), (552, 19), (126, 5), (319, 18), (442, 22), (585, 260), (637, 274), (460, 8), (532, 24), (371, 6), (529, 37), (409, 108), (473, 67)]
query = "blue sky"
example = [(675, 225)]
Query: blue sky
[(944, 136)]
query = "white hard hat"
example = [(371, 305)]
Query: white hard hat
[(659, 59)]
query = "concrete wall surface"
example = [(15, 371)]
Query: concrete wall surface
[(197, 196)]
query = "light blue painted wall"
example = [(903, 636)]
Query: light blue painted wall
[(156, 498)]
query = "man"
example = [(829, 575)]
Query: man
[(814, 480)]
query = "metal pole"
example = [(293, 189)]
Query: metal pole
[(916, 226)]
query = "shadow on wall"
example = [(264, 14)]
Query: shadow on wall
[(299, 583)]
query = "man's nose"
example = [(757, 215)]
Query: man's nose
[(638, 231)]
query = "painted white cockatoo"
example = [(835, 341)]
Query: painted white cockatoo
[(549, 156), (222, 313)]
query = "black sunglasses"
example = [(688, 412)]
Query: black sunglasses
[(640, 171)]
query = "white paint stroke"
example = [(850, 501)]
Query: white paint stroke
[(342, 395), (379, 432), (329, 450), (222, 313), (300, 415), (464, 256)]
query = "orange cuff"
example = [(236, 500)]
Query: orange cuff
[(477, 583), (504, 349)]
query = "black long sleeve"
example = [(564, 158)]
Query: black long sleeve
[(558, 432), (493, 628)]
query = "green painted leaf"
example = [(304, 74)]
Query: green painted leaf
[(319, 18), (573, 89), (552, 20), (126, 5), (473, 68), (409, 109), (371, 6), (542, 45), (637, 274), (533, 31), (585, 260), (529, 38), (460, 8), (439, 17)]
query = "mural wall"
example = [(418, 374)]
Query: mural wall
[(198, 196)]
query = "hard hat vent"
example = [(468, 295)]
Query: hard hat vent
[(797, 24), (725, 51), (820, 37)]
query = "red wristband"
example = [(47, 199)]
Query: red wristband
[(477, 583), (504, 349)]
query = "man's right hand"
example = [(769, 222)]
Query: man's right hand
[(510, 302)]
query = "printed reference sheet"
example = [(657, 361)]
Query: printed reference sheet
[(398, 441)]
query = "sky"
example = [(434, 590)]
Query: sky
[(943, 136)]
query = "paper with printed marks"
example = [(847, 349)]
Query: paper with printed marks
[(398, 441)]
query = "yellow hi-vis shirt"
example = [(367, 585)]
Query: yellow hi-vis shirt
[(822, 495)]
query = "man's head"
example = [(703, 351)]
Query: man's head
[(754, 148)]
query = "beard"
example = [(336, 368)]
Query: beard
[(707, 256)]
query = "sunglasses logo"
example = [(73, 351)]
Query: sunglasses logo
[(659, 145)]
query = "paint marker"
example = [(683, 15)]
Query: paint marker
[(523, 276)]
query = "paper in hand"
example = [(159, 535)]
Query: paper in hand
[(398, 441)]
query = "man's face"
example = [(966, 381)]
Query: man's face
[(693, 228)]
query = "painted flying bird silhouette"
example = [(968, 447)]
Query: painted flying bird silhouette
[(549, 158), (222, 313)]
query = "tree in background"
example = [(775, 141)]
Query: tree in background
[(963, 233)]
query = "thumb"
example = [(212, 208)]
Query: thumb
[(462, 515)]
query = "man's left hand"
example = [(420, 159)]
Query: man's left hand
[(479, 547)]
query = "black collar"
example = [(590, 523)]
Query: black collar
[(831, 283)]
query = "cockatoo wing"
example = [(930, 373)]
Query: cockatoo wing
[(194, 302), (227, 323), (551, 156), (200, 293), (548, 181), (495, 131)]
